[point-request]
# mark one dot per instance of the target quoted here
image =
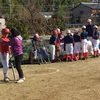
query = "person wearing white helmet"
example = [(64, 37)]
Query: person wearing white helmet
[(89, 29), (68, 40), (83, 36), (77, 44), (96, 41), (36, 35), (35, 44)]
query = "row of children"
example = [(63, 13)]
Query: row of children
[(74, 44), (70, 46)]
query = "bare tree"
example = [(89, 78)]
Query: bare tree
[(31, 14)]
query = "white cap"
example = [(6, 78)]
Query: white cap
[(95, 26), (89, 20), (68, 31), (76, 31), (37, 35), (83, 27), (71, 34), (58, 30)]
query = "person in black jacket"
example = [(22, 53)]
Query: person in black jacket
[(90, 29)]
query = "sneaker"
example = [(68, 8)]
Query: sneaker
[(20, 80), (6, 79), (24, 78)]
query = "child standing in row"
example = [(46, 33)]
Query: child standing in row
[(68, 40), (96, 41), (83, 36), (77, 44)]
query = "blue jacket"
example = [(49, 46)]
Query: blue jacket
[(84, 35), (96, 35), (76, 38), (53, 39), (68, 39), (89, 29)]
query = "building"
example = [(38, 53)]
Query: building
[(85, 10)]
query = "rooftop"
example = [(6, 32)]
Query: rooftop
[(91, 5)]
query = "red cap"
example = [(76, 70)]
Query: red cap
[(5, 31), (55, 32)]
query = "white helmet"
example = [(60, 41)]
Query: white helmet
[(95, 26), (68, 31), (83, 27), (76, 31), (36, 35), (89, 20), (71, 34), (58, 30)]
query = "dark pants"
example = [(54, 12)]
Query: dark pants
[(18, 60)]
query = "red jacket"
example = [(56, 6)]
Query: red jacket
[(4, 48)]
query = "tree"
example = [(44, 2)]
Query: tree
[(33, 17), (25, 14)]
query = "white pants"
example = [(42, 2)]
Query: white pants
[(84, 45), (61, 49), (90, 38), (90, 47), (77, 47), (52, 51), (69, 48), (5, 63), (95, 44)]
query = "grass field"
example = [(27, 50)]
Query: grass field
[(77, 80)]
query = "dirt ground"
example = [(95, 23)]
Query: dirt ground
[(78, 80)]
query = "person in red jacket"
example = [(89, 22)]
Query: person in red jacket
[(5, 51)]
